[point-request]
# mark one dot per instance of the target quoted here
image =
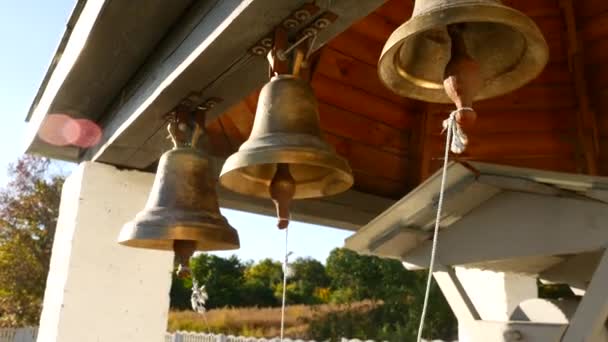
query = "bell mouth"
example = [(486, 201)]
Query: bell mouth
[(158, 228), (415, 55), (316, 173)]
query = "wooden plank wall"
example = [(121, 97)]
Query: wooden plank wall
[(592, 24), (393, 143)]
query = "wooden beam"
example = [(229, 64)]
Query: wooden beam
[(355, 100), (211, 58), (588, 137)]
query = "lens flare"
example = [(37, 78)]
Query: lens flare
[(86, 133), (63, 130)]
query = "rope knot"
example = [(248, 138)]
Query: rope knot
[(459, 140)]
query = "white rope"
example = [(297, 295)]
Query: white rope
[(453, 131), (285, 265)]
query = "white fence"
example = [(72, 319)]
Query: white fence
[(184, 336), (30, 334), (18, 335)]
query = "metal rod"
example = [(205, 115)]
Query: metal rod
[(283, 54)]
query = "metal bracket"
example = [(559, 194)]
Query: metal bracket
[(192, 104), (297, 24)]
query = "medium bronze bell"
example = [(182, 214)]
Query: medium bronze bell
[(285, 156), (182, 212), (507, 45)]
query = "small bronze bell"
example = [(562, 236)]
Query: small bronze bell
[(507, 45), (285, 156), (182, 212)]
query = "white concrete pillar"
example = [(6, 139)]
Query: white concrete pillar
[(494, 294), (98, 290)]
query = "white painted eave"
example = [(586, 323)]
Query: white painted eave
[(403, 231)]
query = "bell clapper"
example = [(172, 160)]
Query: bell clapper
[(184, 249), (462, 80), (282, 189)]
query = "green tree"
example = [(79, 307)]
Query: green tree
[(223, 278), (179, 295), (308, 276), (266, 271), (398, 295), (260, 280), (353, 277), (29, 206)]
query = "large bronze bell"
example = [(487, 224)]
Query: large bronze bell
[(182, 212), (285, 156), (507, 45)]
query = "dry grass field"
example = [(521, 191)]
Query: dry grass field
[(258, 322)]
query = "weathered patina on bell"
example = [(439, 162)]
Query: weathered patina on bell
[(182, 212), (285, 156), (507, 45)]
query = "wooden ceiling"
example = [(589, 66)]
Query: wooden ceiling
[(556, 122)]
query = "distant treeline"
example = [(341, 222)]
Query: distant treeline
[(346, 278)]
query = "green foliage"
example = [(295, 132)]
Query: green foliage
[(555, 291), (356, 277), (29, 206), (308, 277), (348, 278), (399, 293), (180, 293), (260, 281), (223, 278)]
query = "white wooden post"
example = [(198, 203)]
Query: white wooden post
[(98, 290), (590, 316), (493, 294)]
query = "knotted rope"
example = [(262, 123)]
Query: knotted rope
[(456, 141)]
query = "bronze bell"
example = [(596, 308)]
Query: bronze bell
[(285, 156), (182, 212), (507, 45)]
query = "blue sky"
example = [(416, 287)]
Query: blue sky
[(30, 32)]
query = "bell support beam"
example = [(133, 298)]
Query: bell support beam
[(588, 136), (209, 54), (524, 226)]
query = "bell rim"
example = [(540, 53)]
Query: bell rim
[(494, 13), (242, 159), (189, 231)]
